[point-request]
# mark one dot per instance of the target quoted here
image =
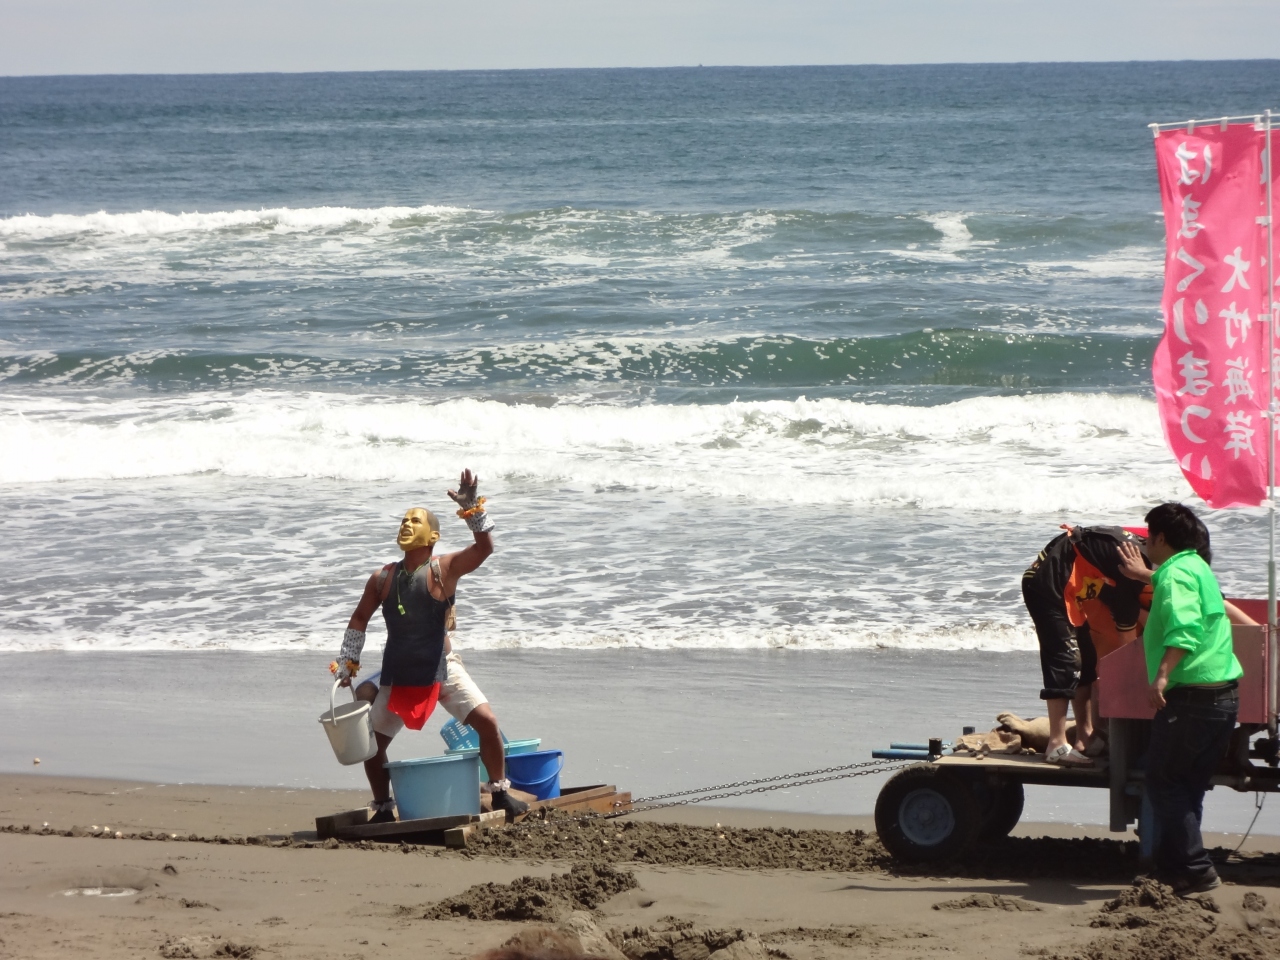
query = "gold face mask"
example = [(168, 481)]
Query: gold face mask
[(419, 528)]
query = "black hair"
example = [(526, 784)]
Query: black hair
[(1181, 529)]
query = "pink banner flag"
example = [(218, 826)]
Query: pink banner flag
[(1210, 369)]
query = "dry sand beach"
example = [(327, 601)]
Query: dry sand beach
[(246, 878)]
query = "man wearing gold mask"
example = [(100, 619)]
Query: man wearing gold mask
[(419, 668)]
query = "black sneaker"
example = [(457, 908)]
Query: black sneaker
[(502, 800), (384, 815), (1202, 884)]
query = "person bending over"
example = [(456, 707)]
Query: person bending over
[(419, 669), (1077, 566), (1193, 674)]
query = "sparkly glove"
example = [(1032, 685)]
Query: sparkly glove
[(470, 506), (348, 662), (477, 520)]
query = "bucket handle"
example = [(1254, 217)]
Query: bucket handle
[(333, 720)]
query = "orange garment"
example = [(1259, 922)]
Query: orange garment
[(413, 705), (1084, 586), (1102, 626)]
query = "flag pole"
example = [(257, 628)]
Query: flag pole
[(1272, 409)]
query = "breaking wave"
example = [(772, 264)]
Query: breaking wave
[(158, 223), (1023, 454), (994, 637)]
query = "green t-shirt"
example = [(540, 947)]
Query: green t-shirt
[(1187, 612)]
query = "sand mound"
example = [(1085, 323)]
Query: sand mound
[(1153, 923), (987, 901), (205, 948), (620, 840), (547, 899), (668, 939), (616, 840), (840, 936), (576, 936), (1253, 901), (674, 939)]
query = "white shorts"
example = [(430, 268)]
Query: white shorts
[(458, 694)]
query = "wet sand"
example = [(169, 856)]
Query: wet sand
[(226, 896), (706, 717)]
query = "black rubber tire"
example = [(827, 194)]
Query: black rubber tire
[(1002, 809), (925, 814)]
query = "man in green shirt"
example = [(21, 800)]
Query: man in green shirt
[(1193, 672)]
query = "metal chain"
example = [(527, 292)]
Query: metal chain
[(789, 781), (647, 804), (868, 766)]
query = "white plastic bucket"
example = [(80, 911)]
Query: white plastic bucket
[(350, 729)]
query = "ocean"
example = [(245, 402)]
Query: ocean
[(785, 359)]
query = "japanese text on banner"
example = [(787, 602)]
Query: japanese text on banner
[(1210, 369)]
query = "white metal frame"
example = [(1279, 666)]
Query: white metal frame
[(1261, 122)]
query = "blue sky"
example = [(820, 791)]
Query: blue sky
[(197, 36)]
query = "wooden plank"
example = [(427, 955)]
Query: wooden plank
[(329, 826), (572, 796), (352, 825), (457, 837), (401, 829), (492, 818), (397, 828), (613, 803)]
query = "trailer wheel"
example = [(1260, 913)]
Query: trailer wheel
[(1003, 809), (925, 814)]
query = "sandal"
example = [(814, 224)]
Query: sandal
[(1067, 756)]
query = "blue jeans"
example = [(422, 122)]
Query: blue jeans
[(1189, 738)]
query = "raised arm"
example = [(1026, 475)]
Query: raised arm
[(471, 509)]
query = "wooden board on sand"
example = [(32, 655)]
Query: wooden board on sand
[(354, 825)]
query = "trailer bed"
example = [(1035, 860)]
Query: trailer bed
[(1026, 768)]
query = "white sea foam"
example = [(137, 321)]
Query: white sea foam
[(1029, 454), (155, 223), (1132, 263), (955, 232), (994, 637)]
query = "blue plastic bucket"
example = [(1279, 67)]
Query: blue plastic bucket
[(512, 747), (436, 786), (537, 773)]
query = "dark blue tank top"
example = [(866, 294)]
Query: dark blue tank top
[(414, 654)]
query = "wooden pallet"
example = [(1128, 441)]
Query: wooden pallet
[(454, 831)]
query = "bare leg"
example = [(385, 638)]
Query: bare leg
[(492, 753), (379, 778), (1082, 707), (1057, 724)]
